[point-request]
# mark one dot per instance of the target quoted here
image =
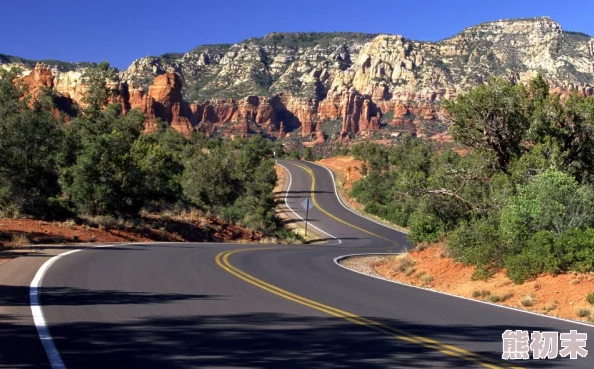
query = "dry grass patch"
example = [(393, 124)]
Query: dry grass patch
[(582, 312), (550, 306), (549, 294), (481, 293), (427, 279), (409, 271), (404, 263), (527, 300), (18, 240), (10, 211), (493, 298), (70, 224)]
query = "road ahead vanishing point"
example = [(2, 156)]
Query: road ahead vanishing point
[(206, 305)]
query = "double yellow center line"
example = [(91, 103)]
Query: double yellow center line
[(222, 260), (315, 202)]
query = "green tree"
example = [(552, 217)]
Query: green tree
[(551, 201), (100, 174), (236, 181), (568, 124), (99, 88), (158, 156), (209, 179), (256, 206), (308, 154), (492, 118), (30, 137)]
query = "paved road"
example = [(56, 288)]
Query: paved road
[(199, 305)]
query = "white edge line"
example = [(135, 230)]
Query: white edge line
[(349, 209), (339, 258), (38, 319), (293, 211)]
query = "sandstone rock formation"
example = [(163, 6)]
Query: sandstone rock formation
[(41, 78), (374, 123), (164, 101), (294, 79), (281, 131), (320, 138)]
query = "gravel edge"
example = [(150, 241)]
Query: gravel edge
[(363, 264)]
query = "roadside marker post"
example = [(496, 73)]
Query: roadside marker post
[(307, 204)]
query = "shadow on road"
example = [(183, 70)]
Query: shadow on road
[(258, 340), (67, 296)]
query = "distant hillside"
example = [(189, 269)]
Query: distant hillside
[(307, 77)]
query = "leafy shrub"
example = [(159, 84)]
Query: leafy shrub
[(392, 212), (537, 256), (575, 249), (551, 201), (481, 274), (590, 298), (476, 242), (425, 227)]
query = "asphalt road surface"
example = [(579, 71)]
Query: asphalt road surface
[(206, 305)]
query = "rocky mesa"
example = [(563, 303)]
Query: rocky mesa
[(291, 83)]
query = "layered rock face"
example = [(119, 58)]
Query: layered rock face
[(40, 78), (354, 77), (164, 100), (295, 79)]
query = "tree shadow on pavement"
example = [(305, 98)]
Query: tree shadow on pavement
[(67, 296), (263, 340)]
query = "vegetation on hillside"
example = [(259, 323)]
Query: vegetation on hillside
[(100, 164), (520, 197), (61, 65), (310, 39)]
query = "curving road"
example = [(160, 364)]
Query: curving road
[(199, 305)]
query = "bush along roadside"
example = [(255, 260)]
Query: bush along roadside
[(101, 164), (515, 191)]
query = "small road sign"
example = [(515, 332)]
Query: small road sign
[(307, 204)]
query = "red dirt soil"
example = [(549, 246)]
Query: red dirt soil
[(339, 165), (568, 290), (22, 233)]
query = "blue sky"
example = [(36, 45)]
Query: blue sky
[(124, 30)]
